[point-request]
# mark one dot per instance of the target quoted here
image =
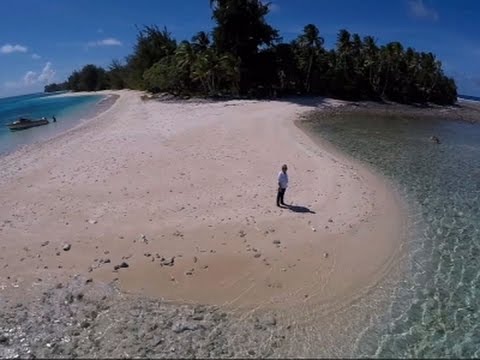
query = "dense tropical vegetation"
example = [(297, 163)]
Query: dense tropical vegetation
[(244, 56)]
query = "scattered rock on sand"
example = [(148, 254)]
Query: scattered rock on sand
[(277, 242), (122, 265), (270, 321), (257, 255), (45, 243), (67, 247), (168, 261), (180, 327)]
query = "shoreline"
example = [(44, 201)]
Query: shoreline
[(464, 111), (101, 106), (90, 202)]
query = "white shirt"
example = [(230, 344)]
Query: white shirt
[(283, 179)]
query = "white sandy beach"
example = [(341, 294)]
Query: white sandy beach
[(198, 180)]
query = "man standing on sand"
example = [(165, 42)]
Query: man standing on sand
[(282, 185)]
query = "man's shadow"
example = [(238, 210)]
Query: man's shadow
[(298, 209)]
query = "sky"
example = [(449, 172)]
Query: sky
[(44, 41)]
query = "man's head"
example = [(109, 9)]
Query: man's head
[(284, 168)]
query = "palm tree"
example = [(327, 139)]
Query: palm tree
[(200, 41), (310, 42), (392, 56), (213, 69), (371, 64), (185, 55)]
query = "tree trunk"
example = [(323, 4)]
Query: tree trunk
[(309, 71)]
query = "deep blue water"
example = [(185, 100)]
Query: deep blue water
[(67, 109), (435, 311), (468, 97)]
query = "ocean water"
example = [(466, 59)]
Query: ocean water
[(67, 109), (435, 311), (468, 97)]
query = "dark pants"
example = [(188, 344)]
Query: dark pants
[(280, 195)]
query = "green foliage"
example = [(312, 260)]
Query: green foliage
[(166, 76), (117, 74), (152, 46), (245, 57), (90, 78), (56, 87), (241, 30)]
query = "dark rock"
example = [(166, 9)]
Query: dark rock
[(89, 280), (69, 298), (270, 321), (106, 261), (257, 255), (168, 261), (85, 324), (277, 242), (45, 243), (156, 341), (3, 339), (180, 327), (123, 265)]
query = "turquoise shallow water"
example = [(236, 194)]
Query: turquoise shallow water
[(68, 111), (435, 310)]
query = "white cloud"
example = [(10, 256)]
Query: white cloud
[(105, 42), (47, 74), (418, 9), (36, 57), (32, 78), (8, 49)]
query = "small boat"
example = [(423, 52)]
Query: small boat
[(22, 124)]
